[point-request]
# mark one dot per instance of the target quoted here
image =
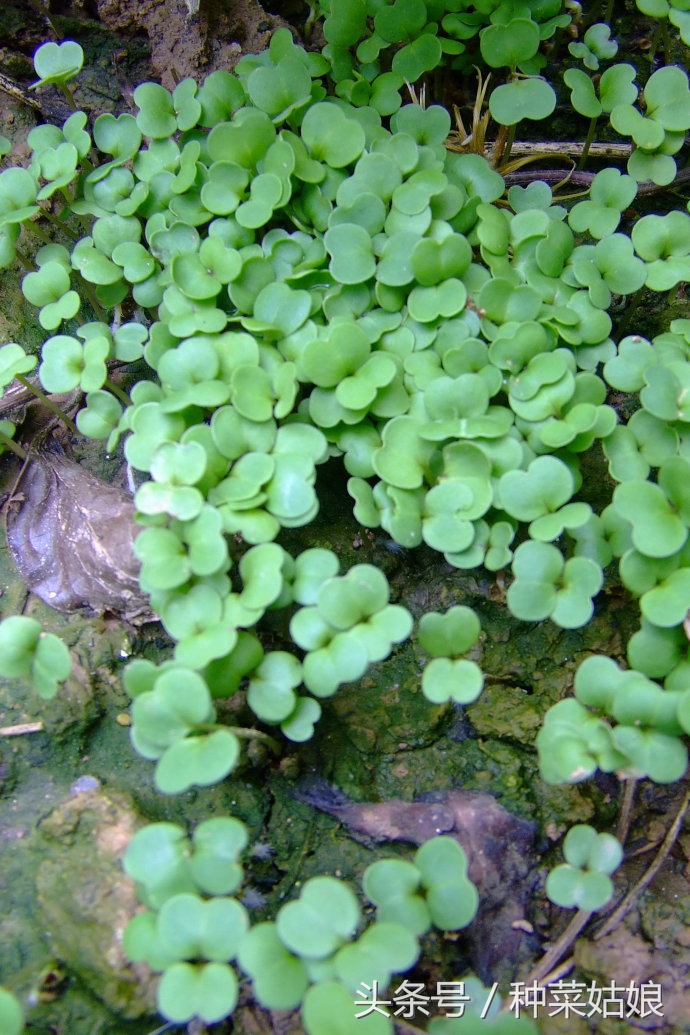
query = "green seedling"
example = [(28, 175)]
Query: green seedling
[(448, 676), (596, 46), (381, 950), (208, 991), (548, 586), (540, 495), (663, 244), (660, 132), (325, 916), (583, 881), (573, 743), (432, 890), (645, 742), (271, 694), (529, 98), (58, 62), (652, 509), (279, 978), (196, 620), (208, 863), (674, 10), (170, 724), (27, 652), (510, 43), (350, 626)]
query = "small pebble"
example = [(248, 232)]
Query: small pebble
[(84, 784)]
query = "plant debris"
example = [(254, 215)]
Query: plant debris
[(71, 535)]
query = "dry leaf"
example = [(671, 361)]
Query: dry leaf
[(71, 537)]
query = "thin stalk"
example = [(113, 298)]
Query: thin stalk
[(251, 734), (56, 222), (622, 328), (626, 810), (43, 10), (40, 234), (68, 95), (116, 390), (10, 444), (559, 948), (649, 875), (244, 733), (589, 140), (88, 290), (48, 403), (24, 260), (509, 142)]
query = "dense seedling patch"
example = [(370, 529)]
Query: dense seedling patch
[(308, 272)]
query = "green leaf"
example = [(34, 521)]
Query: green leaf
[(325, 915), (58, 62), (331, 136), (218, 843), (509, 44), (209, 991), (522, 99), (11, 1014), (279, 978), (191, 928), (197, 761), (329, 1009), (446, 680)]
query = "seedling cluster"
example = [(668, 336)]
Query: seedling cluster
[(308, 272), (196, 933)]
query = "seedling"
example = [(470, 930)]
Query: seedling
[(448, 676), (322, 279), (583, 881), (595, 47), (26, 652)]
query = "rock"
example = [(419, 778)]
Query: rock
[(86, 900), (499, 848)]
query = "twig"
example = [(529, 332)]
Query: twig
[(21, 729), (626, 811), (559, 948), (584, 179), (634, 893), (560, 971)]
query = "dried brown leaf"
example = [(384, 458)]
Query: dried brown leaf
[(71, 537)]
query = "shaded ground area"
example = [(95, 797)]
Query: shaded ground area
[(378, 740)]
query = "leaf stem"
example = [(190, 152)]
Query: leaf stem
[(10, 444), (589, 140), (509, 143), (48, 403), (68, 95), (116, 390)]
